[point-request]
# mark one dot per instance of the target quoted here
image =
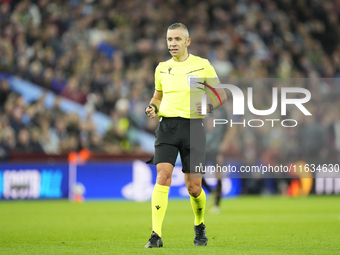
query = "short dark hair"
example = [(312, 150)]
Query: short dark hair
[(179, 25)]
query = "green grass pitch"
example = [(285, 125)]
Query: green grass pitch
[(246, 225)]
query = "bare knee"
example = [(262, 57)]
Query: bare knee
[(164, 173), (193, 183), (194, 189), (163, 178)]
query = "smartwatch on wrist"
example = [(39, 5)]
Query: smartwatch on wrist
[(153, 105), (211, 108)]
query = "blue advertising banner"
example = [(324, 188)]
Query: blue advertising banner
[(135, 181), (131, 180), (32, 181)]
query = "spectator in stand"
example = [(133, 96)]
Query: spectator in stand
[(24, 141), (7, 139), (73, 92)]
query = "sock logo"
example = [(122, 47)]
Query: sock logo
[(157, 207), (200, 209)]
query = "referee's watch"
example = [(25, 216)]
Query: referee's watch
[(211, 108)]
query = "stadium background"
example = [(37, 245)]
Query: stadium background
[(78, 75)]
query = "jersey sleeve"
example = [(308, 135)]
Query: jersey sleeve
[(158, 85), (210, 75)]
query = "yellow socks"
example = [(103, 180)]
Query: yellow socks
[(159, 203), (198, 206)]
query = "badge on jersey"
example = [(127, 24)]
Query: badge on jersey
[(192, 80)]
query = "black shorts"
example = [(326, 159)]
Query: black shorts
[(186, 136)]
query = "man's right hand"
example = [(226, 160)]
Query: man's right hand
[(150, 111)]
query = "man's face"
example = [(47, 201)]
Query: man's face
[(177, 42)]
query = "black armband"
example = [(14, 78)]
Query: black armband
[(211, 108)]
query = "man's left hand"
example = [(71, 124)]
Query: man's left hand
[(199, 108)]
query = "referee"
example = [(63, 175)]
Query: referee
[(179, 85)]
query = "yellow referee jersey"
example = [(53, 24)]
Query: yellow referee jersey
[(180, 83)]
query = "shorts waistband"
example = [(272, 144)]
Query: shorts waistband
[(174, 118), (180, 118)]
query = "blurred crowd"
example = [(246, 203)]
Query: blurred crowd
[(103, 54)]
